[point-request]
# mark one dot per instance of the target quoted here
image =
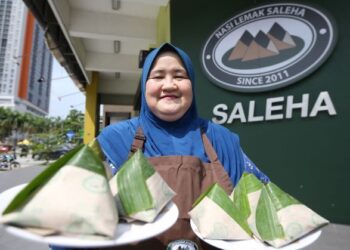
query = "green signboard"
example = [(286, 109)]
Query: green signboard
[(276, 74)]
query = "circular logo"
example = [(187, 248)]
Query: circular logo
[(268, 47), (95, 184), (182, 245)]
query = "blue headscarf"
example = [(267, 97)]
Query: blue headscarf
[(170, 138), (180, 137)]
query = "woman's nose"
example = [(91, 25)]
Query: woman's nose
[(169, 83)]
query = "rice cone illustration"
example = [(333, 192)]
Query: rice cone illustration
[(260, 47), (280, 37), (241, 47)]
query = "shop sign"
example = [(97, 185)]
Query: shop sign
[(275, 108), (268, 47)]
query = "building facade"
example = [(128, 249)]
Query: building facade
[(297, 133), (25, 61)]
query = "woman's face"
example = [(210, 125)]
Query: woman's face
[(168, 88)]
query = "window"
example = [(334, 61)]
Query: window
[(3, 42)]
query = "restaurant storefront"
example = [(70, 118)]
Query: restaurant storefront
[(276, 73)]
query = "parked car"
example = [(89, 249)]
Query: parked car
[(59, 152), (5, 148), (24, 151), (52, 154)]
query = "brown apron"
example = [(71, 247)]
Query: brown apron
[(188, 176)]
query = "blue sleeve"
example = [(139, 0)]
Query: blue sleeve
[(250, 167), (115, 142), (113, 168)]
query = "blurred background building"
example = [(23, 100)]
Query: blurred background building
[(25, 61)]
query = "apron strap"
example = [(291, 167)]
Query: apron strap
[(209, 150), (139, 141)]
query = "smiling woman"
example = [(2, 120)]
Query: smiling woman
[(168, 88), (180, 145)]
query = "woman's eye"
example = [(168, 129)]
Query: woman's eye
[(157, 77), (180, 77)]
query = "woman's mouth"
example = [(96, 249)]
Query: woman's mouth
[(170, 97)]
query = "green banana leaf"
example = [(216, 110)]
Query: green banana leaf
[(218, 195), (78, 185), (279, 198), (272, 200), (247, 184), (273, 215), (25, 194), (95, 146), (267, 221), (131, 182), (266, 215), (87, 159)]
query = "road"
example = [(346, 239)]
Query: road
[(29, 162), (8, 179)]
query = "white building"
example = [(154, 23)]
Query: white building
[(25, 62)]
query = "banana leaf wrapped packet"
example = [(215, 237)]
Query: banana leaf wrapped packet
[(140, 192), (216, 217), (70, 197), (274, 216)]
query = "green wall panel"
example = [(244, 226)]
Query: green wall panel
[(307, 157)]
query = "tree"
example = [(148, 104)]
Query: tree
[(10, 121), (74, 122), (29, 125)]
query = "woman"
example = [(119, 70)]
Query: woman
[(190, 153), (180, 145)]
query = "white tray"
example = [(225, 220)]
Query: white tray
[(126, 233)]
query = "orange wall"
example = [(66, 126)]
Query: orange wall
[(25, 65)]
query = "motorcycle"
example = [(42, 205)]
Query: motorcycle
[(8, 162)]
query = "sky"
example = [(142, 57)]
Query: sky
[(64, 94)]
